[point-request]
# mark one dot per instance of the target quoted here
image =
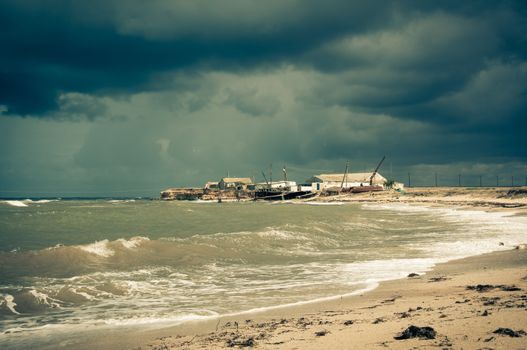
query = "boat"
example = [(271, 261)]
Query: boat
[(283, 192), (278, 195)]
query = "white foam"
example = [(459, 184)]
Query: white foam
[(82, 294), (320, 203), (133, 242), (115, 201), (9, 302), (384, 270), (43, 298), (99, 248), (478, 232), (40, 201), (369, 287), (16, 203), (171, 319)]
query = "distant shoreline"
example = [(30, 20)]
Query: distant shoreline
[(479, 197), (476, 196)]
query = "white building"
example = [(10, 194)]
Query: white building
[(283, 185), (324, 181), (211, 185)]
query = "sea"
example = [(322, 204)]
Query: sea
[(68, 267)]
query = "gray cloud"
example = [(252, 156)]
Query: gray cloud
[(127, 98)]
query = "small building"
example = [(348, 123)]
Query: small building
[(235, 183), (211, 185), (325, 181)]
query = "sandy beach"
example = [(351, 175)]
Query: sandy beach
[(478, 197), (478, 302), (465, 302)]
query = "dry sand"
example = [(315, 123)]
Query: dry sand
[(482, 197)]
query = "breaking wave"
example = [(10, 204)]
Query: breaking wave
[(15, 203), (27, 202)]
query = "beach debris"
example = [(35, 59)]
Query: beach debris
[(321, 333), (462, 301), (510, 332), (413, 274), (416, 309), (304, 322), (485, 313), (512, 288), (501, 243), (445, 342), (437, 279), (249, 342), (403, 314), (391, 300), (521, 247), (416, 332), (490, 301), (378, 320), (487, 287), (348, 322)]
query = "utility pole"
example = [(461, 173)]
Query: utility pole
[(459, 180), (497, 181), (480, 182), (409, 181), (512, 181), (436, 178)]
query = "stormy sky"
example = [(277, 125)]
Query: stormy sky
[(126, 98)]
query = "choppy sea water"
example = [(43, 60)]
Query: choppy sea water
[(68, 266)]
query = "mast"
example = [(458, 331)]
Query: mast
[(344, 178), (270, 175), (267, 182)]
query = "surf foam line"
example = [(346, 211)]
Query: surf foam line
[(177, 320), (421, 266), (482, 232), (16, 203)]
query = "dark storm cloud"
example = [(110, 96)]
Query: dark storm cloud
[(137, 94), (114, 45), (104, 46)]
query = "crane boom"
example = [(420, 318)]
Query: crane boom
[(376, 169)]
